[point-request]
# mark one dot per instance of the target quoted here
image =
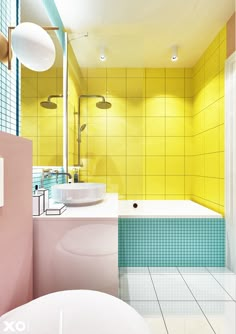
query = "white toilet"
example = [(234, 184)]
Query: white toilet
[(73, 312)]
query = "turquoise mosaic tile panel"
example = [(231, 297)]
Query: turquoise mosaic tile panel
[(170, 242), (9, 80), (48, 182)]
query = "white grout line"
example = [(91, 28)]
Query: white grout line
[(159, 303), (222, 285), (197, 303)]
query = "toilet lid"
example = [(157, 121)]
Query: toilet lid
[(76, 311), (91, 240)]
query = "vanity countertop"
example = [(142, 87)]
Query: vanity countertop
[(108, 208)]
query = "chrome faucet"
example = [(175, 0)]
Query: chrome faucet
[(49, 172)]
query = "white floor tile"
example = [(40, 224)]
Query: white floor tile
[(221, 316), (193, 270), (228, 282), (205, 287), (152, 314), (136, 287), (219, 270), (133, 270), (171, 287), (185, 318), (163, 270)]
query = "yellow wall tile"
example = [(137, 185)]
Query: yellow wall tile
[(212, 189), (118, 108), (116, 126), (135, 107), (29, 106), (136, 165), (212, 116), (135, 185), (188, 126), (47, 146), (135, 126), (188, 87), (155, 145), (116, 165), (29, 126), (175, 166), (96, 127), (155, 126), (155, 72), (116, 146), (175, 185), (155, 87), (175, 106), (47, 126), (97, 86), (188, 107), (135, 87), (116, 184), (212, 142), (97, 166), (212, 165), (96, 73), (155, 165), (135, 146), (29, 87), (47, 86), (155, 107), (155, 185), (174, 72), (96, 145), (51, 73), (174, 126), (175, 87), (116, 72), (175, 146), (116, 87), (135, 72)]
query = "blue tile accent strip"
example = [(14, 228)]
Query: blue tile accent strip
[(170, 242), (9, 103)]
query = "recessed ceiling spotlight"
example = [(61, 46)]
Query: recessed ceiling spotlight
[(174, 56), (102, 55)]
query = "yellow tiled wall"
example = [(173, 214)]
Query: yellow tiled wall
[(208, 125), (140, 147), (42, 126)]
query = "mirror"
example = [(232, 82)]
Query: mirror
[(42, 97)]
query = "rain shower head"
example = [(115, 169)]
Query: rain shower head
[(49, 104), (103, 105)]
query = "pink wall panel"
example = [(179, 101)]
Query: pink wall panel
[(16, 223)]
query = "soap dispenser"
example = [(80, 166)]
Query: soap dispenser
[(76, 176)]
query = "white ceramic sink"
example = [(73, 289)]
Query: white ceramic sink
[(78, 193)]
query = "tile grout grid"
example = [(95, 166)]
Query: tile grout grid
[(213, 305)]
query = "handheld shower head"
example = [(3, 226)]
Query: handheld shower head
[(83, 126)]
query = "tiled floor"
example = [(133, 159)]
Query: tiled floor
[(182, 300)]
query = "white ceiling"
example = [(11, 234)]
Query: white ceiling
[(140, 33), (34, 11)]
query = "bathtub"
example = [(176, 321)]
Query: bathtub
[(164, 209), (170, 233)]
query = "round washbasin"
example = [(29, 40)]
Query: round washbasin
[(78, 193)]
